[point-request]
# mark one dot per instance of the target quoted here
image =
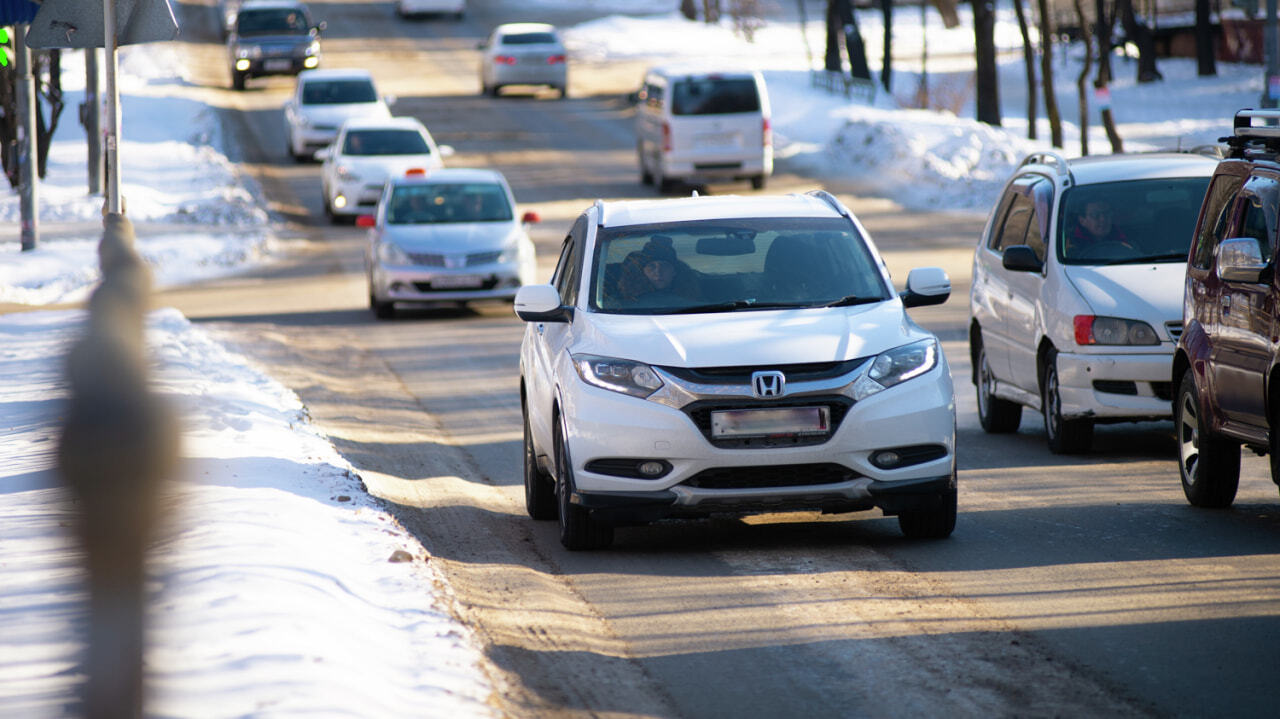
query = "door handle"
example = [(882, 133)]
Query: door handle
[(541, 328), (1226, 303)]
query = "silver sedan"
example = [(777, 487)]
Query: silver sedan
[(524, 54)]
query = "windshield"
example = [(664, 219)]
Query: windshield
[(272, 21), (714, 96), (338, 92), (725, 265), (1134, 221), (385, 142), (432, 203), (529, 38)]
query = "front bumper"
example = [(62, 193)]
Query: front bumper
[(1116, 386), (498, 281), (263, 66), (356, 197)]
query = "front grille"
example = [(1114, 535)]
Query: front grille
[(488, 284), (432, 259), (1174, 329), (700, 412), (786, 475), (1162, 390), (742, 375), (1113, 386), (717, 165), (427, 259)]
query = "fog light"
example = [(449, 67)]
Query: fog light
[(652, 468), (886, 459), (242, 64), (311, 62), (340, 201)]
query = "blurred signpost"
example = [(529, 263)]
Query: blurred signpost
[(18, 13)]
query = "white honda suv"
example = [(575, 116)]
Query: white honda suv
[(739, 355)]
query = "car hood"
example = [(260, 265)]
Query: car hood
[(378, 168), (271, 40), (1151, 292), (445, 238), (750, 337), (334, 115)]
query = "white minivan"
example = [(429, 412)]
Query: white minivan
[(701, 124)]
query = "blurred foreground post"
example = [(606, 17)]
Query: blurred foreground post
[(118, 442)]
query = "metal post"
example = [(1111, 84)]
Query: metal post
[(1271, 90), (29, 178), (112, 133), (92, 110)]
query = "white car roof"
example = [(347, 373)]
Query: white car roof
[(514, 27), (334, 74), (1137, 166), (383, 123), (642, 212), (453, 174), (702, 69)]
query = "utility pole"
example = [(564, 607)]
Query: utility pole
[(113, 107), (1271, 89), (90, 115), (29, 178)]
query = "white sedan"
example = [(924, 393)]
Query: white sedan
[(322, 101), (368, 152)]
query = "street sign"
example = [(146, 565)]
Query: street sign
[(79, 23), (17, 12)]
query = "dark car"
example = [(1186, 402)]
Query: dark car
[(272, 37), (1227, 362)]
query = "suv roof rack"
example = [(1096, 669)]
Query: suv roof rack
[(1247, 137), (1050, 158), (600, 212), (831, 200)]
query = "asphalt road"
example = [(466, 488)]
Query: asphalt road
[(1078, 586)]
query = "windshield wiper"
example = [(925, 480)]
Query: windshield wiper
[(1165, 257), (732, 305), (851, 300)]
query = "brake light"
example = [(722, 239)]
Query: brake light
[(504, 60), (768, 133), (666, 137), (415, 172), (555, 59)]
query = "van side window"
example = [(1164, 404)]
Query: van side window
[(653, 95), (1217, 214), (1024, 220)]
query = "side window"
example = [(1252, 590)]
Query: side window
[(1025, 211), (1258, 218), (997, 226), (653, 95), (1041, 193), (1216, 215), (569, 270)]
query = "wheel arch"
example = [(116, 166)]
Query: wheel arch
[(975, 344), (1042, 359)]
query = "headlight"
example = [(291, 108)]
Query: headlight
[(896, 366), (634, 378), (252, 51), (346, 174), (389, 254), (510, 254), (313, 48), (1091, 330)]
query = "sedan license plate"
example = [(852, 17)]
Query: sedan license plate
[(276, 65), (456, 281), (717, 139), (770, 422)]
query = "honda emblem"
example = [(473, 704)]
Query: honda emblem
[(768, 384)]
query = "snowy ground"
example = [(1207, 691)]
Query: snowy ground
[(285, 596)]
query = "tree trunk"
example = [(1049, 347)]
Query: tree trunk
[(1082, 81), (1139, 34), (886, 66), (1029, 61), (1046, 74), (1206, 64), (1100, 84), (831, 59), (689, 9), (711, 11), (854, 46), (51, 91), (988, 100)]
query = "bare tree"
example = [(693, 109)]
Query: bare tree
[(1082, 80), (1046, 74), (1206, 64), (46, 65), (988, 81), (1029, 61), (711, 11), (1140, 35), (1102, 28), (748, 17), (840, 21), (886, 65), (689, 8)]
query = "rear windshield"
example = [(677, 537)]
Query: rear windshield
[(338, 92), (1134, 221), (271, 21), (728, 265), (436, 203), (714, 96), (385, 142), (529, 38)]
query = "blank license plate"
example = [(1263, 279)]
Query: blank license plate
[(276, 65), (717, 139), (457, 281), (770, 422)]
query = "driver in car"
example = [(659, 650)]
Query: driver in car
[(1095, 227), (654, 273)]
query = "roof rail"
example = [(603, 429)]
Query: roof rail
[(831, 200), (1048, 157), (1245, 136), (600, 212)]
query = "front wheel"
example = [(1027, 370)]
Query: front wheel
[(997, 416), (578, 529), (1208, 463), (934, 523), (539, 487), (758, 182), (237, 80), (1066, 436)]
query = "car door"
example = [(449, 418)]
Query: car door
[(549, 339), (1026, 301), (1241, 355), (990, 289)]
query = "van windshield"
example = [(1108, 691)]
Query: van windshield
[(714, 96), (271, 21)]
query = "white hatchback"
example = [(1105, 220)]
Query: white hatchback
[(322, 101), (365, 154), (736, 355), (1076, 302)]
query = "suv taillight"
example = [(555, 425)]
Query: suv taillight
[(555, 59), (666, 137), (768, 133)]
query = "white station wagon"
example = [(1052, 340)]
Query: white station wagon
[(1076, 302), (736, 355)]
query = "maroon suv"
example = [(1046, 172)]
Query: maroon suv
[(1227, 361)]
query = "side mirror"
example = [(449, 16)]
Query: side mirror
[(389, 99), (530, 218), (1240, 260), (541, 303), (633, 97), (320, 26), (323, 154), (926, 286), (445, 150), (366, 221), (1020, 258)]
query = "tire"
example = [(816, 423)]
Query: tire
[(998, 416), (1066, 436), (934, 523), (578, 530), (564, 91), (539, 487), (493, 90), (664, 184), (758, 182), (382, 310), (646, 177), (237, 80), (1208, 463)]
